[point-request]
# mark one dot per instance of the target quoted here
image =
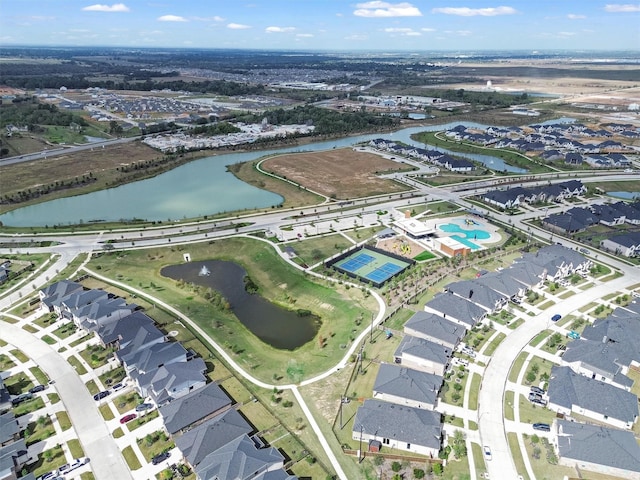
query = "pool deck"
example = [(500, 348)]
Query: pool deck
[(461, 221)]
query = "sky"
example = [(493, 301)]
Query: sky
[(418, 25)]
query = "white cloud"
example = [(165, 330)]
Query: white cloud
[(566, 34), (279, 29), (427, 29), (171, 18), (396, 30), (472, 12), (237, 26), (461, 33), (357, 37), (215, 18), (304, 35), (573, 16), (98, 7), (379, 9), (622, 8)]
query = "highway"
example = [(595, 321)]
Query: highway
[(491, 404)]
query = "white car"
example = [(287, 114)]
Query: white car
[(487, 452)]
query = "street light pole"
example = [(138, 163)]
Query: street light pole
[(360, 456)]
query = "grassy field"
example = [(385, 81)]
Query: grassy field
[(316, 249), (337, 307), (341, 174), (292, 194)]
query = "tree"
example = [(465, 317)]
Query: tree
[(396, 466), (418, 473)]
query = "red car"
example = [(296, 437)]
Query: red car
[(128, 418)]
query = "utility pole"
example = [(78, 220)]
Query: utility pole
[(360, 355), (371, 339)]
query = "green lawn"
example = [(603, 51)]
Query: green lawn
[(530, 413), (131, 458), (65, 331), (494, 344), (18, 383), (6, 363), (141, 420), (41, 378), (21, 357), (49, 460), (516, 453), (39, 430), (154, 443), (75, 448), (337, 307), (63, 420), (508, 405), (106, 411), (75, 363), (92, 386), (96, 355), (473, 393), (127, 401), (315, 249), (517, 365), (30, 328)]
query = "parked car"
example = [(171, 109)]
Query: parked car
[(101, 395), (556, 317), (161, 457), (534, 396), (37, 388), (537, 390), (539, 401), (585, 251), (143, 406), (128, 418), (543, 427), (48, 476), (573, 335), (487, 452), (21, 398), (469, 351), (118, 386), (77, 463)]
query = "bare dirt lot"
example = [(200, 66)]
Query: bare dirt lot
[(341, 174), (20, 176)]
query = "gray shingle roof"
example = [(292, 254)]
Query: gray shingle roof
[(596, 444), (212, 435), (567, 388), (453, 306), (478, 293), (150, 358), (173, 380), (8, 427), (418, 347), (407, 383), (200, 403), (238, 460), (405, 424), (126, 327), (436, 326)]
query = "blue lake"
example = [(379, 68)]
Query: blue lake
[(201, 187)]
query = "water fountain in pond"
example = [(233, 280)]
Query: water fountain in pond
[(204, 271)]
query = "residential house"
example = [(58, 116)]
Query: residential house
[(570, 393), (479, 293), (9, 429), (526, 274), (5, 397), (456, 309), (212, 435), (573, 158), (504, 199), (608, 214), (558, 261), (503, 284), (5, 270), (13, 457), (97, 314), (395, 426), (594, 448), (423, 355), (78, 300), (122, 331), (144, 360), (627, 244), (53, 295), (435, 328), (174, 381), (241, 459), (195, 408)]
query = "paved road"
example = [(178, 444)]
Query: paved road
[(491, 421), (107, 462)]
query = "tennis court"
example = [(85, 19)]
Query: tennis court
[(372, 266)]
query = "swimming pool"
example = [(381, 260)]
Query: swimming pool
[(465, 236)]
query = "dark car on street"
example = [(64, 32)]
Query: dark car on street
[(37, 388), (101, 395)]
